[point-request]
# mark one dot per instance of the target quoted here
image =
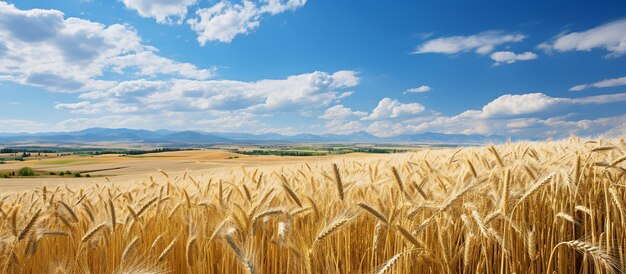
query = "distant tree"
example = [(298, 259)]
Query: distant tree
[(77, 175), (26, 171)]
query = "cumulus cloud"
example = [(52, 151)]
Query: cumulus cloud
[(513, 104), (229, 121), (392, 108), (42, 48), (296, 93), (164, 11), (522, 123), (509, 57), (340, 112), (610, 37), (509, 105), (419, 89), (343, 120), (224, 21), (344, 127), (601, 84), (481, 43), (345, 78), (532, 115), (148, 63)]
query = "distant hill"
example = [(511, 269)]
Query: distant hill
[(167, 137)]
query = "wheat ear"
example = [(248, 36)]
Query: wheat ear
[(598, 255), (331, 228), (374, 212), (338, 181), (166, 250), (28, 226)]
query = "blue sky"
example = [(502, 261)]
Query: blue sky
[(525, 69)]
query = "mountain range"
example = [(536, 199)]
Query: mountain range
[(190, 138)]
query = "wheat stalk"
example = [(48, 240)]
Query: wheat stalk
[(189, 250)]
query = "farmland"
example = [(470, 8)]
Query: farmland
[(521, 207), (77, 167)]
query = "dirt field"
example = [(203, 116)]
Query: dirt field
[(126, 169)]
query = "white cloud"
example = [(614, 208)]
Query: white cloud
[(522, 123), (617, 130), (525, 115), (482, 43), (229, 121), (278, 6), (224, 21), (164, 11), (344, 127), (601, 84), (340, 112), (220, 105), (419, 89), (342, 120), (509, 57), (610, 36), (83, 107), (296, 93), (561, 127), (387, 128), (345, 78), (42, 48), (392, 108), (598, 99), (148, 63), (510, 104)]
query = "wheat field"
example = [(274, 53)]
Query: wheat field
[(513, 208)]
